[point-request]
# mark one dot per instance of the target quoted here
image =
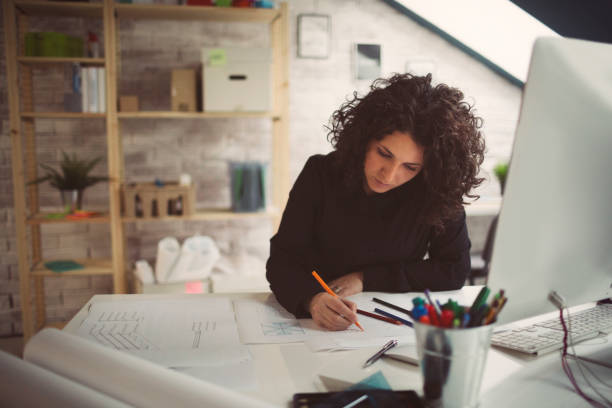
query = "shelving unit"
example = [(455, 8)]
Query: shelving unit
[(277, 19), (22, 117)]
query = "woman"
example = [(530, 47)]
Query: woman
[(384, 210)]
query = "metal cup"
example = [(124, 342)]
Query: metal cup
[(452, 362)]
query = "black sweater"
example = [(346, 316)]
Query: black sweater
[(327, 228)]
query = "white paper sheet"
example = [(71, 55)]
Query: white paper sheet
[(325, 343), (236, 376), (173, 333), (347, 367), (269, 322)]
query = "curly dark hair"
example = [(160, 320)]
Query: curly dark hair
[(437, 117)]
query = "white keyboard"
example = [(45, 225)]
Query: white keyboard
[(547, 336)]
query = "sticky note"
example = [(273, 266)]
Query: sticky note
[(376, 380), (194, 287), (217, 57)]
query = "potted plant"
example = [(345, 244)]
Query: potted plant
[(501, 171), (73, 179)]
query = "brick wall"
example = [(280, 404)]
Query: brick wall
[(204, 148)]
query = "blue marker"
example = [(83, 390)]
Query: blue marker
[(466, 320), (418, 311)]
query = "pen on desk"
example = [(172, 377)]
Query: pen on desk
[(357, 401), (388, 346), (383, 318), (392, 306), (392, 316), (331, 292), (402, 359)]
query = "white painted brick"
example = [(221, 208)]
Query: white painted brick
[(75, 299), (57, 314), (6, 329), (65, 253), (10, 315), (100, 284), (73, 241), (98, 251), (53, 298), (64, 283), (63, 229), (5, 301)]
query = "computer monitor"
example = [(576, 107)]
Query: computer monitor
[(555, 225)]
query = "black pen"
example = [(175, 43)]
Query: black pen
[(388, 346), (392, 306)]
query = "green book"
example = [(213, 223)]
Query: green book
[(30, 44), (63, 266)]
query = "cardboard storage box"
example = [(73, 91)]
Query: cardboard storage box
[(147, 200), (128, 103), (183, 90), (236, 79)]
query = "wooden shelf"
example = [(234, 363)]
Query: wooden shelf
[(62, 115), (61, 60), (205, 13), (191, 115), (20, 92), (91, 267), (41, 218), (207, 216), (60, 8)]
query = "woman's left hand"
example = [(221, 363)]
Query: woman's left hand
[(348, 285)]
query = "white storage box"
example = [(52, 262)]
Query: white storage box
[(236, 79), (198, 286)]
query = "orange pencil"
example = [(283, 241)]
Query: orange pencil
[(331, 292)]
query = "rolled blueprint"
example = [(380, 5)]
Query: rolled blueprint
[(168, 251), (127, 378), (198, 256), (23, 384), (144, 272)]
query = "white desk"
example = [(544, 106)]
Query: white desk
[(510, 379)]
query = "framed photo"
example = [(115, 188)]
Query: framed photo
[(313, 36), (367, 61)]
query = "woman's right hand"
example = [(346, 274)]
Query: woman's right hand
[(332, 313)]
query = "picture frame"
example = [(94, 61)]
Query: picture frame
[(313, 36), (367, 61)]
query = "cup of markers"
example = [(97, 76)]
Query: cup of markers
[(452, 343)]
